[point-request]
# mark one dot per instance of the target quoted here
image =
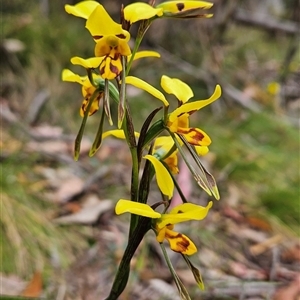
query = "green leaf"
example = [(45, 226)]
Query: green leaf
[(153, 132), (143, 131), (106, 103), (121, 107)]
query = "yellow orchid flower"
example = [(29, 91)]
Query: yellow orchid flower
[(87, 90), (164, 223), (185, 9), (111, 42), (94, 62), (178, 120)]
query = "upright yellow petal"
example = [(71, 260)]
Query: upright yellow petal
[(136, 208), (141, 84), (176, 87), (140, 11), (101, 24), (163, 178), (82, 9)]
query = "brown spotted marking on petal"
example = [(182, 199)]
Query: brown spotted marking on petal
[(114, 69), (180, 6), (182, 243), (188, 112), (121, 36), (84, 104), (198, 136), (102, 69), (116, 56), (97, 37)]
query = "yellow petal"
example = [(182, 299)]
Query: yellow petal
[(160, 234), (140, 11), (163, 178), (68, 75), (136, 208), (163, 145), (142, 54), (141, 84), (184, 212), (180, 242), (202, 150), (118, 133), (174, 7), (94, 107), (194, 106), (89, 63), (176, 87), (101, 24), (82, 9), (110, 68), (112, 46)]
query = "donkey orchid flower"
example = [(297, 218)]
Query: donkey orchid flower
[(164, 223), (87, 90)]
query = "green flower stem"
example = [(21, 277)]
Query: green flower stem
[(122, 275), (176, 185), (142, 30), (138, 41), (130, 138)]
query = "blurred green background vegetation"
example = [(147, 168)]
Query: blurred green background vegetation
[(254, 129)]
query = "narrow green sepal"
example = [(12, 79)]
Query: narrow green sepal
[(106, 103), (202, 183), (113, 91), (98, 138), (195, 271), (121, 107), (209, 180)]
